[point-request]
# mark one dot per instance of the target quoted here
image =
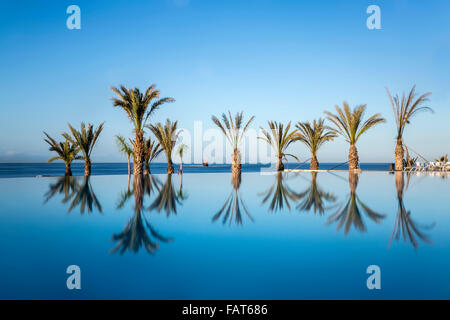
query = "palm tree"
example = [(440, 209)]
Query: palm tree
[(314, 197), (85, 140), (349, 124), (350, 214), (314, 136), (234, 131), (167, 136), (279, 139), (404, 110), (181, 150), (138, 107), (231, 209), (152, 150), (404, 225), (126, 149), (67, 152), (280, 193)]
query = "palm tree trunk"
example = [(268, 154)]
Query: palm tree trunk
[(280, 165), (236, 163), (138, 153), (87, 168), (353, 159), (181, 166), (129, 166), (399, 155), (68, 172), (314, 163), (170, 169), (147, 168)]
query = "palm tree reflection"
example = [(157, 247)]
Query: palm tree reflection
[(350, 214), (280, 194), (404, 226), (167, 198), (138, 232), (77, 194), (315, 198), (231, 210)]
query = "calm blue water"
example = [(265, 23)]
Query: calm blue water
[(12, 170), (289, 236)]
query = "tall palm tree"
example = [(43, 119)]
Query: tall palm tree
[(279, 139), (181, 150), (314, 136), (350, 214), (349, 124), (85, 140), (315, 198), (67, 152), (167, 136), (152, 150), (126, 149), (138, 107), (234, 131), (404, 225), (231, 209), (404, 110)]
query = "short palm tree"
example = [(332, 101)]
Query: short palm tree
[(279, 138), (67, 152), (152, 150), (85, 140), (314, 136), (181, 150), (349, 124), (138, 107), (167, 136), (404, 110), (234, 131), (126, 149)]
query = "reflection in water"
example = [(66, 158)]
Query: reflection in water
[(350, 214), (77, 194), (280, 194), (315, 198), (168, 198), (404, 226), (232, 206), (138, 232)]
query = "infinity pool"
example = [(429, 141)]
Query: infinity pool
[(209, 236)]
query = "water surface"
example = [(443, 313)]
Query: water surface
[(209, 236)]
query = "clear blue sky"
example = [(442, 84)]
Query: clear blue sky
[(277, 60)]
